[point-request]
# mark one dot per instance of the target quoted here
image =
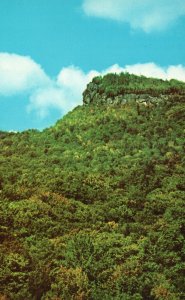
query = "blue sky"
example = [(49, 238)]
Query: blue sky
[(49, 50)]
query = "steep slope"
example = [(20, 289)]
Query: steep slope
[(93, 207)]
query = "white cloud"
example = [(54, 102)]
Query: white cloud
[(177, 72), (64, 94), (44, 99), (155, 71), (74, 79), (21, 75), (147, 15), (113, 69), (148, 70)]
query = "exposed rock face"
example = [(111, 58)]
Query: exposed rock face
[(91, 95), (124, 88)]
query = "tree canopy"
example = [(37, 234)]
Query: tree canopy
[(93, 207)]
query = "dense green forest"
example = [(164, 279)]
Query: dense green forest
[(93, 207)]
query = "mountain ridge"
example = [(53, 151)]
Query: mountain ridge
[(124, 87)]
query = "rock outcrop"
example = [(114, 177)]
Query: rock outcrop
[(92, 96), (98, 93)]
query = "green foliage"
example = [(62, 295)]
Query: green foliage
[(112, 85), (93, 207)]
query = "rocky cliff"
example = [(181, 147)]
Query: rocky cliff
[(118, 90)]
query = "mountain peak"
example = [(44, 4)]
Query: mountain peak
[(124, 87)]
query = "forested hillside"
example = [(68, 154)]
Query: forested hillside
[(93, 207)]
